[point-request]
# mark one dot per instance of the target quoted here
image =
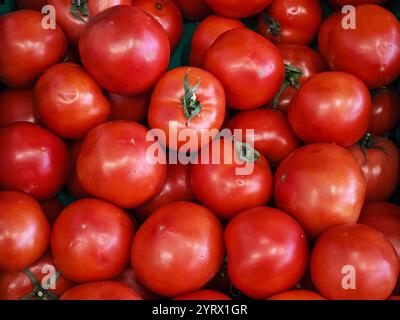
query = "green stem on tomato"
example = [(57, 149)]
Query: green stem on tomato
[(79, 9), (273, 26), (292, 78), (246, 152), (191, 106), (38, 291)]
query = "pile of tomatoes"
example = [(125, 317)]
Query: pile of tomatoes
[(315, 218)]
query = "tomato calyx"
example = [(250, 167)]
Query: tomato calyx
[(79, 10), (191, 106), (293, 75), (246, 152), (368, 142), (273, 26), (39, 291)]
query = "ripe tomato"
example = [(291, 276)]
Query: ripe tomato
[(49, 283), (238, 9), (31, 4), (267, 252), (225, 190), (331, 107), (190, 99), (370, 51), (24, 231), (273, 137), (324, 34), (132, 108), (26, 48), (102, 290), (291, 21), (52, 208), (113, 164), (297, 295), (320, 185), (16, 106), (385, 111), (32, 160), (341, 3), (252, 71), (74, 186), (91, 240), (193, 9), (124, 38), (204, 295), (206, 33), (354, 253), (178, 249), (70, 102), (379, 159)]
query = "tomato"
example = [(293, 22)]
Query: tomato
[(167, 14), (371, 51), (267, 252), (132, 108), (331, 107), (74, 186), (193, 9), (70, 102), (178, 249), (102, 290), (252, 71), (189, 99), (379, 159), (206, 33), (52, 208), (21, 34), (291, 21), (394, 298), (297, 295), (204, 295), (220, 185), (273, 137), (19, 285), (16, 106), (32, 160), (238, 9), (91, 240), (354, 252), (324, 34), (341, 3), (121, 39), (113, 164), (385, 111), (320, 185), (177, 187), (31, 4), (24, 231)]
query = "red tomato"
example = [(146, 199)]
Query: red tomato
[(50, 284), (24, 231), (273, 137), (31, 4), (191, 99), (297, 295), (354, 253), (332, 107), (113, 164), (26, 48), (379, 159), (291, 21), (52, 208), (193, 9), (204, 295), (91, 240), (167, 14), (102, 290), (132, 108), (225, 190), (70, 102), (178, 249), (122, 39), (16, 106), (385, 111), (267, 252), (324, 34), (238, 9), (320, 185), (206, 33), (341, 3), (394, 298), (370, 51), (32, 160), (74, 186)]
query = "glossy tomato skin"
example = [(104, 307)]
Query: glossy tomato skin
[(320, 185), (25, 231), (106, 52), (74, 186), (91, 240), (297, 295), (324, 34), (101, 290), (128, 183), (331, 107), (21, 33), (273, 137), (52, 208), (267, 252), (238, 9), (16, 106), (246, 87), (70, 102), (178, 249), (132, 108), (366, 251), (32, 160), (166, 108), (298, 21), (341, 3), (167, 14), (31, 4), (207, 295), (206, 33)]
